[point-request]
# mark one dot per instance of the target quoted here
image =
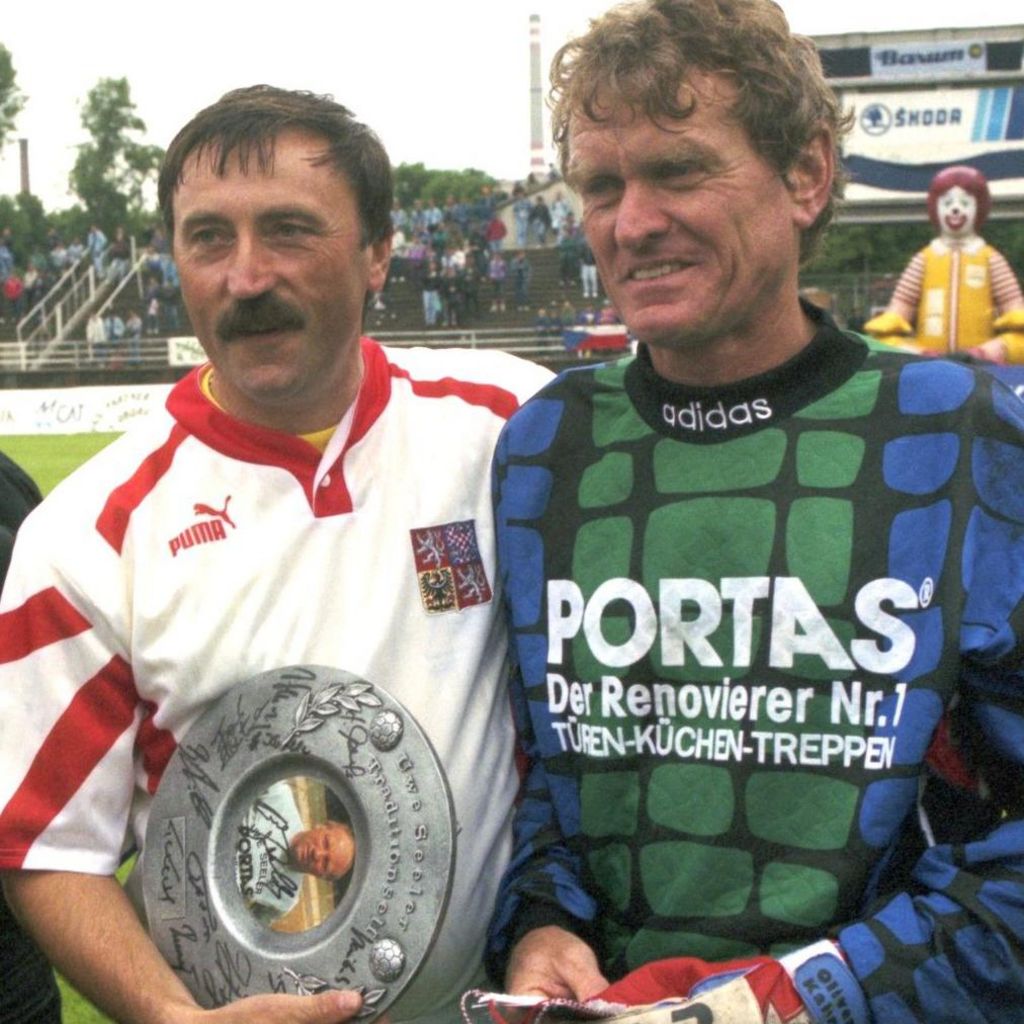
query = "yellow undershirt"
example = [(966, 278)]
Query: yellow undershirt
[(318, 438)]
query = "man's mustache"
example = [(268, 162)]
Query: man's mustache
[(259, 315)]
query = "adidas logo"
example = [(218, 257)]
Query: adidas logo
[(205, 532)]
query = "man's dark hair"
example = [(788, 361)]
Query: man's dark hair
[(244, 124)]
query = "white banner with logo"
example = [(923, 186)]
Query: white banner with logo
[(901, 138), (185, 352), (86, 410), (944, 59)]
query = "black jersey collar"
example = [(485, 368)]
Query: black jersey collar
[(709, 414)]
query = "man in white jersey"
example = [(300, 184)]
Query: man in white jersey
[(306, 497)]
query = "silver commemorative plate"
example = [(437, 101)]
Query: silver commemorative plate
[(301, 839)]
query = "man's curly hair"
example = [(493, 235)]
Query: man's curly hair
[(639, 54)]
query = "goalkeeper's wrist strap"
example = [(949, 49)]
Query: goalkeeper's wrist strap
[(826, 984)]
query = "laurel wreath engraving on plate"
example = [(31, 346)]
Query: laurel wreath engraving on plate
[(350, 742)]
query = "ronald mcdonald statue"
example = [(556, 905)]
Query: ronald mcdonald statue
[(958, 294)]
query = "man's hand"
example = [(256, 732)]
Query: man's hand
[(323, 1008), (73, 916), (333, 1007), (554, 963)]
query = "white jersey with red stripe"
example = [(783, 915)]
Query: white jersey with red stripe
[(197, 551)]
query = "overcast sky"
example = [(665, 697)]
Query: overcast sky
[(445, 82)]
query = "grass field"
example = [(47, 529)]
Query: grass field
[(48, 459)]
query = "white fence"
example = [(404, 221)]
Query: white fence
[(156, 353)]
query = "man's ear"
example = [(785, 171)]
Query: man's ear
[(379, 257), (810, 179)]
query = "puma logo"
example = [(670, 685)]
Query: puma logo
[(201, 509), (204, 532)]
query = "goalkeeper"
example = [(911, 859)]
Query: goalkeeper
[(766, 583)]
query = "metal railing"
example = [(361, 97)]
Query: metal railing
[(78, 292), (48, 318), (153, 352), (522, 341)]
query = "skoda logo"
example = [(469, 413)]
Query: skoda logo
[(876, 119)]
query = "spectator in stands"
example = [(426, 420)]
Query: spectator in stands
[(478, 256), (418, 216), (497, 271), (521, 215), (152, 298), (455, 257), (14, 296), (546, 325), (471, 291), (452, 304), (119, 256), (448, 210), (569, 253), (560, 210), (158, 238), (399, 218), (417, 256), (113, 329), (59, 260), (96, 246), (435, 215), (486, 204), (431, 294), (6, 260), (540, 221), (35, 286), (437, 239), (96, 337), (170, 278), (76, 250), (399, 256), (152, 261), (153, 314), (40, 259), (495, 233), (588, 269), (170, 315), (133, 332), (58, 257), (522, 271), (567, 313), (459, 212)]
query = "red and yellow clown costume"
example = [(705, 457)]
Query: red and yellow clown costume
[(958, 293)]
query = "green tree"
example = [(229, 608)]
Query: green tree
[(1008, 237), (887, 248), (70, 223), (871, 248), (11, 98), (112, 171), (414, 181), (25, 216)]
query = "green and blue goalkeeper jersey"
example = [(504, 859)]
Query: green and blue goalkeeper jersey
[(739, 616)]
